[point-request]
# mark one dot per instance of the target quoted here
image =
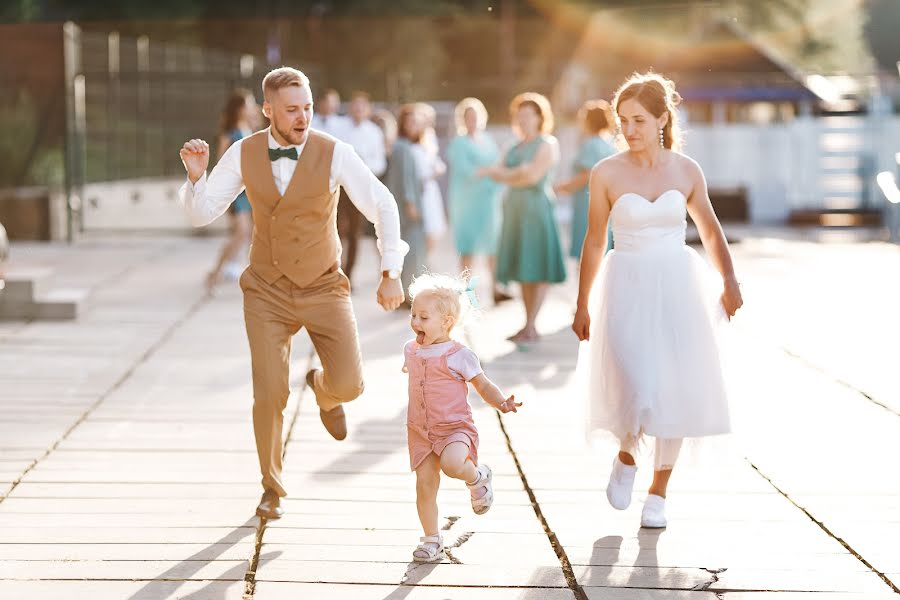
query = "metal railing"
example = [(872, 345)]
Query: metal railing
[(131, 103)]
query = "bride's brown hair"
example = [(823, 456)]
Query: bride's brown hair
[(657, 95)]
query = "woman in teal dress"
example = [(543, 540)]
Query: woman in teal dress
[(529, 250), (596, 122), (474, 200)]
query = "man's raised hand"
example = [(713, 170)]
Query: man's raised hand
[(195, 157)]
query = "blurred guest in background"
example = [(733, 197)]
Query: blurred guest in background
[(529, 251), (405, 183), (239, 119), (474, 201), (368, 141), (597, 125)]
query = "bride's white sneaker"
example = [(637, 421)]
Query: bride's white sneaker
[(621, 483), (654, 514)]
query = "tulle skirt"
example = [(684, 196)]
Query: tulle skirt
[(653, 365)]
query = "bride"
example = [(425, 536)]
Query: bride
[(649, 312)]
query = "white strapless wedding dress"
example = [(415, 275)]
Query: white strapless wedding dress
[(652, 365)]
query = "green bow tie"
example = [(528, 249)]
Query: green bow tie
[(276, 153)]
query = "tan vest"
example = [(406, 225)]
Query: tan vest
[(294, 235)]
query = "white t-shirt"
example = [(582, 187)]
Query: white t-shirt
[(464, 364)]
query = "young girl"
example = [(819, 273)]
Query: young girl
[(439, 425)]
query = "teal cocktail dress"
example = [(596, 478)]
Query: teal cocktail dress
[(530, 250)]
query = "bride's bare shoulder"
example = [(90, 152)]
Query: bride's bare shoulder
[(686, 163), (610, 165)]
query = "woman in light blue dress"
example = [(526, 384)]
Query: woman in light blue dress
[(474, 200), (597, 123)]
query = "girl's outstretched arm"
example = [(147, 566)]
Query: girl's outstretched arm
[(491, 394)]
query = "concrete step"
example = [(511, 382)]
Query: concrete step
[(61, 303), (44, 311), (24, 284), (27, 295)]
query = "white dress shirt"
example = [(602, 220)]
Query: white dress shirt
[(335, 125), (368, 141), (206, 200)]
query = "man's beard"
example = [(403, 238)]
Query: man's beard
[(290, 135)]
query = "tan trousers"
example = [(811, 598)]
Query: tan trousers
[(273, 314)]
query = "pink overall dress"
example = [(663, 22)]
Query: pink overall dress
[(439, 412)]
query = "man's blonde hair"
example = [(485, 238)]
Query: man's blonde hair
[(282, 77)]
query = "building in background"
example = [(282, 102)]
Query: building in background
[(783, 130)]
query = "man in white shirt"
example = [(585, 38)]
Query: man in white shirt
[(368, 141), (364, 135), (291, 174), (327, 118)]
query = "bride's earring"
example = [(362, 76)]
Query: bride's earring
[(662, 140)]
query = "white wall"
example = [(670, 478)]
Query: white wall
[(137, 204), (766, 160), (806, 164)]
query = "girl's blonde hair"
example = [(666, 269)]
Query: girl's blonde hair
[(454, 296)]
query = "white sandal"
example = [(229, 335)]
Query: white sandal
[(483, 503), (430, 550)]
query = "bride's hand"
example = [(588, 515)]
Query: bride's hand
[(582, 324), (731, 297)]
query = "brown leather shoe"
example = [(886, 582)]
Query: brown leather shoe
[(270, 505), (334, 420)]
